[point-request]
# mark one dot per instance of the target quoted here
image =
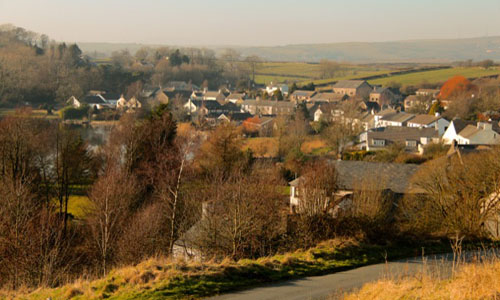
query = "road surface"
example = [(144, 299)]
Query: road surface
[(322, 287)]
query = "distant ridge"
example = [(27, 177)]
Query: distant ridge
[(434, 50)]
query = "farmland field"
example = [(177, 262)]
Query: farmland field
[(303, 73), (436, 76), (35, 113)]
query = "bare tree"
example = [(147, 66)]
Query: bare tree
[(344, 129), (71, 161), (111, 197), (458, 194), (243, 214)]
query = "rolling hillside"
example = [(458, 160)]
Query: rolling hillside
[(439, 50)]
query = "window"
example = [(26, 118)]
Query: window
[(378, 142), (410, 143)]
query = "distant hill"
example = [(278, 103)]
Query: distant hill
[(399, 51), (444, 50)]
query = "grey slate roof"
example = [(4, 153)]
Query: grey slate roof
[(93, 100), (111, 96), (328, 97), (303, 93), (378, 90), (392, 176), (181, 93), (269, 103), (402, 134), (398, 117), (460, 124), (424, 119), (348, 84), (210, 105)]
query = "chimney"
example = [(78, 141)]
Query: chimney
[(484, 126)]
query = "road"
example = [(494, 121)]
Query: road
[(321, 287)]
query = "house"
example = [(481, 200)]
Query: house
[(382, 96), (133, 103), (416, 101), (111, 98), (391, 177), (214, 96), (414, 139), (165, 96), (181, 86), (368, 106), (328, 97), (74, 102), (428, 93), (236, 98), (352, 88), (430, 121), (202, 107), (122, 103), (197, 95), (93, 101), (467, 133), (366, 121), (272, 88), (267, 107), (207, 107), (263, 126), (395, 119), (327, 112), (299, 96)]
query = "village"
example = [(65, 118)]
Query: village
[(186, 173), (379, 116)]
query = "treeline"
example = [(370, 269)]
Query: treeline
[(37, 71)]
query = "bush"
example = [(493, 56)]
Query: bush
[(71, 113)]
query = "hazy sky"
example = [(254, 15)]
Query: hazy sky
[(256, 22)]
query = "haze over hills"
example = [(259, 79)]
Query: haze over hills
[(441, 50)]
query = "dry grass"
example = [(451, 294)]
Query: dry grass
[(163, 278), (470, 281), (262, 146), (313, 144)]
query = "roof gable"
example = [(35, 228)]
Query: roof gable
[(349, 84)]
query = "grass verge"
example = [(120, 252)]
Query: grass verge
[(167, 279), (470, 281)]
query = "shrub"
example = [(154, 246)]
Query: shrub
[(71, 113)]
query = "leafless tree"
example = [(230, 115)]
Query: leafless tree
[(457, 194), (111, 197), (242, 215)]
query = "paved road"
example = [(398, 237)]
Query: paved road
[(321, 287)]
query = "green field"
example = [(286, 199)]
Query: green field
[(436, 76), (78, 206), (304, 73), (35, 113)]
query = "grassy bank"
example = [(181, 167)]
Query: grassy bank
[(436, 76), (472, 281), (166, 279)]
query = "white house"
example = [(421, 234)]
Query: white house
[(398, 119), (429, 121), (121, 103), (93, 101), (467, 133), (272, 88)]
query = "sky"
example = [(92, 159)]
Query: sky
[(252, 23)]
